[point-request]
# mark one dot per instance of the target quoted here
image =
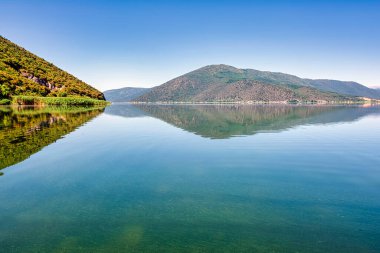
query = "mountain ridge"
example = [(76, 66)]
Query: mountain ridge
[(224, 83)]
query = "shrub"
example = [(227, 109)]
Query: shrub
[(61, 101), (5, 101)]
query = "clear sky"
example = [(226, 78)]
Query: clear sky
[(112, 44)]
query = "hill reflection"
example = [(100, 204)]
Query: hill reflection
[(26, 130), (225, 121)]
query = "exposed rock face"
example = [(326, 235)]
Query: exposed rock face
[(41, 81)]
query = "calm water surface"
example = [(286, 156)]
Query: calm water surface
[(190, 179)]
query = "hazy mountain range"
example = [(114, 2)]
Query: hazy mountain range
[(124, 94), (223, 83)]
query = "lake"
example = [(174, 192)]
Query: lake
[(190, 178)]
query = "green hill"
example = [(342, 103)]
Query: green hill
[(23, 73), (222, 83)]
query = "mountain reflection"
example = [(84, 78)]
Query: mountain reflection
[(225, 121), (26, 130)]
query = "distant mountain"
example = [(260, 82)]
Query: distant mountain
[(346, 88), (23, 73), (124, 94), (229, 84)]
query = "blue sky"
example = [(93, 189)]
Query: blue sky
[(111, 44)]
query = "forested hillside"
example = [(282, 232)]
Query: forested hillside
[(23, 73)]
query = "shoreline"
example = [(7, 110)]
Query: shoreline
[(55, 101), (346, 102)]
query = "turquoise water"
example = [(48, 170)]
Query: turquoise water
[(196, 178)]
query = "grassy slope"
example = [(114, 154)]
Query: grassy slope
[(23, 73)]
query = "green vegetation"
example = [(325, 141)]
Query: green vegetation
[(34, 110), (26, 130), (66, 101), (23, 73), (5, 101)]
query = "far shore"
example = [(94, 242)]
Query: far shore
[(319, 102)]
